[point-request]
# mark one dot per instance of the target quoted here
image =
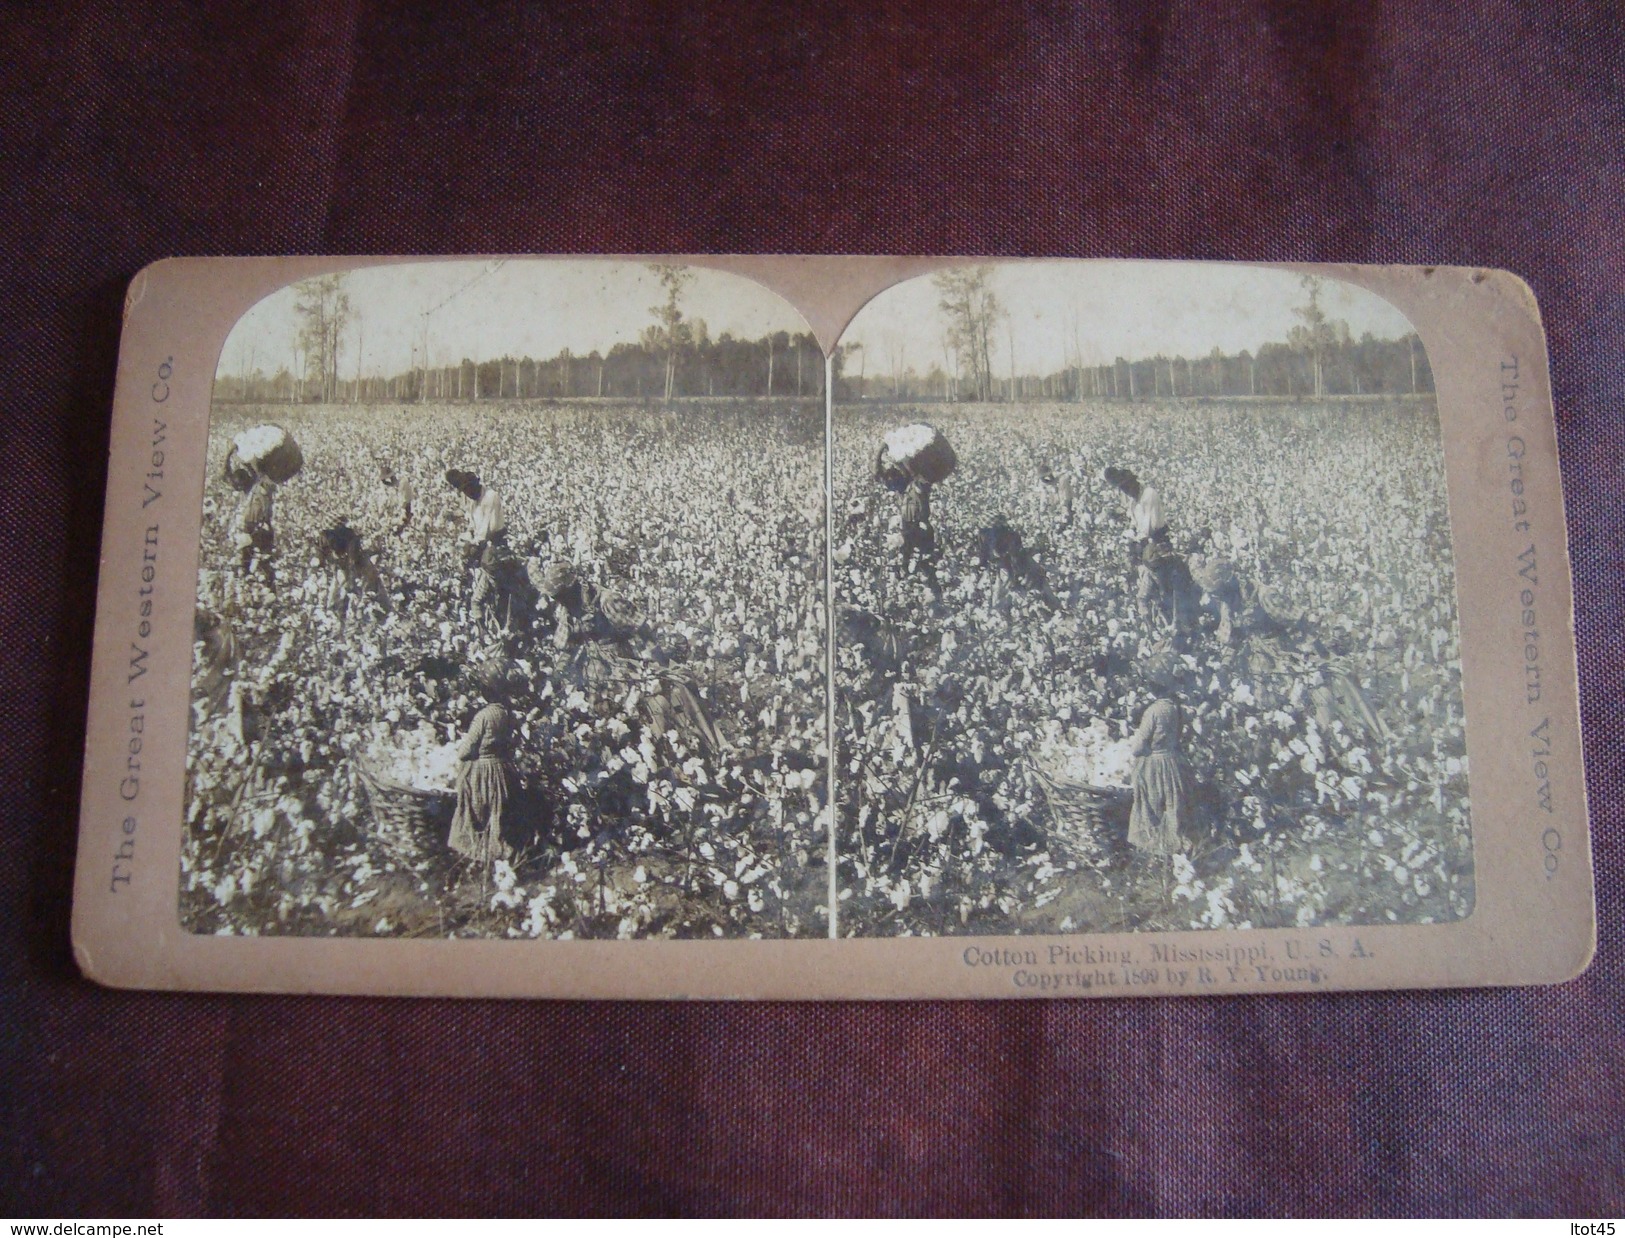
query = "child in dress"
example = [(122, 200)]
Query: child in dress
[(1160, 822), (485, 779)]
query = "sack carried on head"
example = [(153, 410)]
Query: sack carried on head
[(922, 451), (266, 450)]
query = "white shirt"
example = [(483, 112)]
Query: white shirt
[(1145, 512), (485, 517)]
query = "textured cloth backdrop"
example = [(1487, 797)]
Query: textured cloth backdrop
[(1479, 133)]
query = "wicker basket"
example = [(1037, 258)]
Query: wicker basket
[(1091, 819), (410, 813)]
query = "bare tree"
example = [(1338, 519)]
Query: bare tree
[(1314, 333), (896, 362), (1010, 336), (322, 307), (972, 310), (673, 330), (840, 361)]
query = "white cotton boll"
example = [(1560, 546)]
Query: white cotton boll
[(254, 443), (908, 441)]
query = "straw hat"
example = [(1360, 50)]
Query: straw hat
[(462, 481)]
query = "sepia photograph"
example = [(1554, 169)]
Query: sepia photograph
[(831, 628), (510, 614), (1145, 607)]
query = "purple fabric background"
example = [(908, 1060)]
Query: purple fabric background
[(1480, 133)]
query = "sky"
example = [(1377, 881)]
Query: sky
[(537, 307), (515, 307), (1114, 309)]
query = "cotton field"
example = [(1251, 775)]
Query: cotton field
[(671, 771), (1328, 749), (670, 745)]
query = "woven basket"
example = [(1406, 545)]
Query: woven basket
[(411, 812), (1089, 818)]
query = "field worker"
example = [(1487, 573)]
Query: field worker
[(255, 540), (1160, 820), (485, 777), (339, 549), (398, 496), (1147, 532), (1065, 492), (1147, 524), (919, 539), (486, 523)]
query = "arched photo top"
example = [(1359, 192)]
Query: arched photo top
[(997, 331), (395, 326), (489, 556)]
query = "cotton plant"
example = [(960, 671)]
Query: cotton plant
[(1297, 789), (330, 696)]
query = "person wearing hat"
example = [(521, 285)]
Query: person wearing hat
[(1160, 820), (1147, 524), (340, 550), (486, 523), (1156, 573), (484, 543), (485, 778)]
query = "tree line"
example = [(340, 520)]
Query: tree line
[(780, 365), (675, 356), (1319, 357), (1365, 366)]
